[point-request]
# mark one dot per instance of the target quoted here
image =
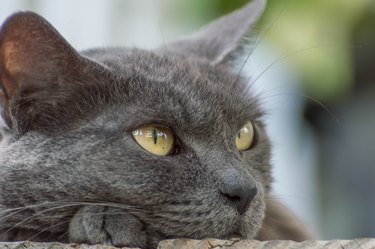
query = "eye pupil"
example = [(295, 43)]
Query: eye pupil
[(155, 135), (239, 134)]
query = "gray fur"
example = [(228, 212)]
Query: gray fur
[(70, 169), (217, 41)]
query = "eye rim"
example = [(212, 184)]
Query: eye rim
[(175, 149), (254, 139)]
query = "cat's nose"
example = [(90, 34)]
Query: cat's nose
[(239, 194)]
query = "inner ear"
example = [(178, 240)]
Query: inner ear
[(35, 65), (29, 47)]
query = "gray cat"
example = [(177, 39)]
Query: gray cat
[(128, 147)]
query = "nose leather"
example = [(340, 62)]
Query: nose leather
[(239, 193)]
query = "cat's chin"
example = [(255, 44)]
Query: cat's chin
[(248, 224), (228, 224)]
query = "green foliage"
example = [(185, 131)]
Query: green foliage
[(319, 34), (323, 29)]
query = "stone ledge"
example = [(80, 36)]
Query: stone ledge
[(212, 244)]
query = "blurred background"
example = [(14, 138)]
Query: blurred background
[(314, 67)]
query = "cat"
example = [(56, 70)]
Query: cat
[(128, 147)]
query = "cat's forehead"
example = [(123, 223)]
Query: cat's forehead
[(174, 88)]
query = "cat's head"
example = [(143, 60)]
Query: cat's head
[(176, 132)]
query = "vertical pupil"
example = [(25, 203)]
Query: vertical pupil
[(155, 135), (239, 134)]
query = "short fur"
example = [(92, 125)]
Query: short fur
[(70, 169)]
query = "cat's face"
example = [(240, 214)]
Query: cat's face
[(75, 118), (205, 107)]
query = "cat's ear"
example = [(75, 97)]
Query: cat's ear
[(35, 64), (220, 39)]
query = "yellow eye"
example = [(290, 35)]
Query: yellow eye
[(155, 139), (245, 137)]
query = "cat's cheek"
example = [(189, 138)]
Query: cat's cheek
[(259, 167)]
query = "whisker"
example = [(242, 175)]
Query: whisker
[(330, 113), (78, 203), (65, 205), (34, 216), (47, 229), (63, 235), (259, 41), (68, 204), (251, 51), (20, 209), (284, 57), (337, 120), (293, 53)]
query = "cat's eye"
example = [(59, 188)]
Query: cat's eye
[(155, 139), (245, 137)]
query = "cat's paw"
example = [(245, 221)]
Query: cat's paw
[(109, 226)]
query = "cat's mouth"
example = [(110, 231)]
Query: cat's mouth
[(217, 227)]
